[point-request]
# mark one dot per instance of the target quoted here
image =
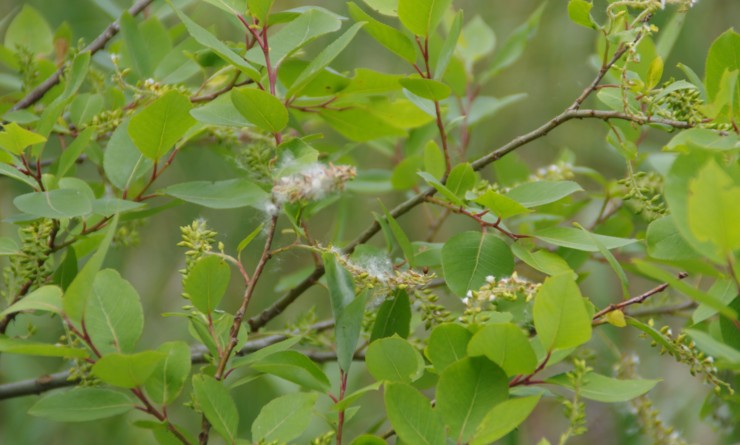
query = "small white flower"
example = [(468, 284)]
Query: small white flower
[(490, 279), (469, 294), (710, 359), (115, 58), (149, 82)]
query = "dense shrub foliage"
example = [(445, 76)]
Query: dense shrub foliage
[(460, 324)]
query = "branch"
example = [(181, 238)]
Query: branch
[(198, 356), (635, 300), (96, 45)]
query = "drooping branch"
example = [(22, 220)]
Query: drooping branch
[(96, 45), (198, 355)]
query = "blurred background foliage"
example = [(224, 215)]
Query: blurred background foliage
[(555, 68)]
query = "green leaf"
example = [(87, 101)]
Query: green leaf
[(421, 17), (258, 355), (260, 9), (449, 46), (560, 315), (722, 290), (606, 389), (84, 107), (109, 206), (713, 209), (469, 257), (260, 108), (434, 160), (122, 161), (411, 415), (576, 239), (485, 107), (506, 345), (243, 244), (114, 317), (702, 139), (676, 190), (367, 439), (8, 246), (26, 347), (534, 194), (359, 125), (501, 206), (29, 30), (54, 204), (579, 12), (228, 194), (347, 330), (220, 111), (217, 405), (273, 425), (350, 399), (82, 405), (12, 172), (205, 38), (426, 88), (477, 41), (724, 55), (713, 347), (394, 359), (45, 298), (340, 283), (292, 37), (69, 156), (404, 174), (616, 267), (434, 182), (127, 370), (394, 317), (655, 72), (664, 242), (80, 289), (542, 260), (207, 282), (466, 391), (401, 237), (136, 45), (461, 179), (391, 38), (323, 59), (385, 7), (448, 343), (371, 82), (16, 139), (170, 374), (503, 419), (157, 128), (233, 7), (513, 48), (294, 367)]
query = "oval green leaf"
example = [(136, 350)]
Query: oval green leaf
[(260, 108), (469, 257)]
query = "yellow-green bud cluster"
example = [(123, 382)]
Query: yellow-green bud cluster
[(31, 266), (644, 194), (683, 349), (198, 239)]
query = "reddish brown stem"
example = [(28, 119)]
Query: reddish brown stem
[(635, 300)]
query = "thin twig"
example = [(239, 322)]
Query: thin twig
[(635, 300), (96, 45), (199, 355)]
